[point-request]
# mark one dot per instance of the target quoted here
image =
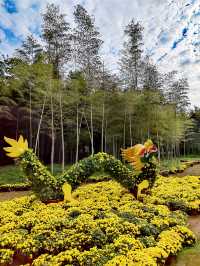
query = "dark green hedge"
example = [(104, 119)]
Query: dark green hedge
[(80, 172), (43, 183), (47, 187)]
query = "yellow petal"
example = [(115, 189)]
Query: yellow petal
[(12, 142), (138, 148), (13, 154), (8, 149), (17, 147), (26, 144), (21, 140)]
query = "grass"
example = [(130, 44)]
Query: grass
[(173, 164), (188, 256), (13, 174), (190, 157), (169, 164)]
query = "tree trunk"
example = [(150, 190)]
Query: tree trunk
[(30, 118), (158, 142), (52, 136), (105, 137), (92, 131), (184, 147), (62, 134), (17, 125), (124, 133), (113, 144), (77, 132), (148, 133), (130, 130), (39, 125), (102, 128)]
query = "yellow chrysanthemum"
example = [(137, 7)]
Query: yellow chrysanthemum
[(17, 147)]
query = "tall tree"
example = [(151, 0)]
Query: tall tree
[(30, 50), (56, 34), (151, 76), (87, 45), (178, 95), (131, 55)]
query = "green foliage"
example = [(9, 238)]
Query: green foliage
[(43, 183), (172, 165), (48, 187), (80, 172), (149, 172)]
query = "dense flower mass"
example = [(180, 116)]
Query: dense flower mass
[(104, 225), (177, 193)]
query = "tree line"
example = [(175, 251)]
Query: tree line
[(66, 101)]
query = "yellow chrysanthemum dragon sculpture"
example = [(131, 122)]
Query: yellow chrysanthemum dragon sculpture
[(49, 187), (142, 158)]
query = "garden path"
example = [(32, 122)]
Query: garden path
[(194, 170)]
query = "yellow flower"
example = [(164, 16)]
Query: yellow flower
[(17, 147)]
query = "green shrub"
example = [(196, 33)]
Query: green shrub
[(80, 172), (43, 183), (48, 187)]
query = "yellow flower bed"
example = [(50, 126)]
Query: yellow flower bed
[(177, 193), (104, 225)]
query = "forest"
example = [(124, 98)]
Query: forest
[(58, 93)]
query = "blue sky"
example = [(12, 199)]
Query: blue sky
[(171, 30)]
